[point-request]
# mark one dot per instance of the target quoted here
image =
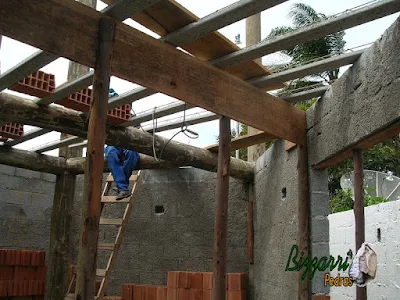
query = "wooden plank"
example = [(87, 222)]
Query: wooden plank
[(112, 199), (246, 141), (366, 143), (155, 64), (101, 272), (168, 16), (105, 221), (358, 209), (106, 246), (91, 203), (131, 179), (221, 210), (289, 145)]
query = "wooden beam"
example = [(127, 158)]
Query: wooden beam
[(57, 165), (303, 232), (155, 64), (31, 160), (27, 136), (246, 141), (366, 143), (359, 210), (91, 204), (221, 210), (60, 230), (66, 120)]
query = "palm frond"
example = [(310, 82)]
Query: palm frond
[(303, 15)]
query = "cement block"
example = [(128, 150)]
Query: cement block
[(48, 177), (320, 229), (27, 173), (155, 277), (4, 169)]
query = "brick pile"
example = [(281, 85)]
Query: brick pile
[(11, 130), (38, 84), (187, 286), (41, 84), (81, 101), (22, 274)]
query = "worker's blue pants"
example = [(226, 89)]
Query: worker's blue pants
[(121, 162)]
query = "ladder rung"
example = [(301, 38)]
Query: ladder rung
[(101, 272), (105, 246), (104, 221), (69, 296), (132, 178), (112, 199)]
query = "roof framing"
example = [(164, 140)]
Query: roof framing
[(154, 64)]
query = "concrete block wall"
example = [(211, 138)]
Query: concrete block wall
[(275, 224), (179, 239), (383, 218), (26, 198)]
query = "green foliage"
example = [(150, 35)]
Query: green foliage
[(304, 15), (343, 201)]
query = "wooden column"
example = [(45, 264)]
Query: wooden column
[(304, 218), (88, 238), (221, 212), (359, 210), (59, 249)]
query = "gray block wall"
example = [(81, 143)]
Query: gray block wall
[(179, 239), (275, 224), (363, 100)]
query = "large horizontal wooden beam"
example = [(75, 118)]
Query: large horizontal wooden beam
[(66, 120), (69, 29)]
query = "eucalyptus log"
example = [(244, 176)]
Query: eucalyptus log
[(31, 160), (91, 203), (221, 210), (66, 120)]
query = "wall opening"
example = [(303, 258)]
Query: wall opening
[(159, 209)]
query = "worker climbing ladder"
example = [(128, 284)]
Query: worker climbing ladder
[(114, 246)]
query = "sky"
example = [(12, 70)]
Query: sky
[(12, 52)]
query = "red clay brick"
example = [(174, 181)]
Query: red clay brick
[(172, 280), (236, 281), (183, 294), (172, 293), (6, 272), (138, 292), (207, 281), (3, 288), (41, 272), (161, 293), (236, 295), (38, 84), (3, 256), (150, 292), (26, 257), (196, 280), (196, 294), (183, 280), (207, 294)]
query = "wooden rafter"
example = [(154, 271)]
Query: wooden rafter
[(149, 62)]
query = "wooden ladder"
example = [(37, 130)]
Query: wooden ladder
[(122, 223)]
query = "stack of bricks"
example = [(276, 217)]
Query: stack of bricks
[(198, 286), (144, 292), (22, 274), (38, 84), (187, 286), (81, 101), (11, 130), (41, 84)]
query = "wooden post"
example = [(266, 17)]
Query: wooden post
[(359, 210), (59, 249), (221, 212), (250, 225), (304, 218), (91, 204)]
